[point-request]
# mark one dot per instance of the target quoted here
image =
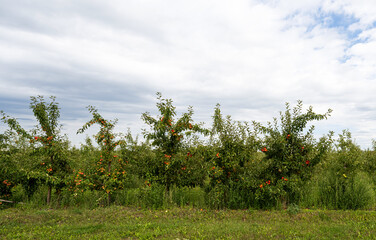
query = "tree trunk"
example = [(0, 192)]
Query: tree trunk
[(49, 194), (168, 193), (50, 185), (108, 199), (58, 193), (109, 193)]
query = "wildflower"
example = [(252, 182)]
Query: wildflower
[(288, 136), (260, 185), (217, 155), (307, 162), (264, 149)]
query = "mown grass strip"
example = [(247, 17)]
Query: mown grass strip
[(184, 223)]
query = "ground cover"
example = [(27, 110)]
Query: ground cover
[(184, 223)]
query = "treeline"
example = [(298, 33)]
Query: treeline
[(231, 165)]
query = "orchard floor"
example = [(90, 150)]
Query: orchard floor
[(118, 222)]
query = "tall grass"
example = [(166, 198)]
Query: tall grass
[(327, 191), (335, 191)]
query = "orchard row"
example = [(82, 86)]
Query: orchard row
[(237, 164)]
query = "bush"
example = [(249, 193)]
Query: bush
[(233, 146), (339, 192), (369, 165), (342, 184), (291, 154), (169, 135)]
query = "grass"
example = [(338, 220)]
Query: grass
[(184, 223)]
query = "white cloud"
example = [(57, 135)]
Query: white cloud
[(250, 56)]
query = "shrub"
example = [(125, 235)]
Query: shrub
[(290, 153), (233, 146), (109, 173), (342, 184), (167, 135), (49, 147), (369, 165)]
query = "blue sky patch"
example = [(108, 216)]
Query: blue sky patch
[(335, 20), (339, 21)]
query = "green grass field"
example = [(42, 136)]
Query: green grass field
[(184, 223)]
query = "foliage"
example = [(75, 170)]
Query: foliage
[(48, 146), (109, 172), (17, 159), (7, 170), (167, 135), (280, 165), (290, 152), (233, 146), (293, 209), (369, 162), (342, 184)]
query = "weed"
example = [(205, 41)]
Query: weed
[(293, 209)]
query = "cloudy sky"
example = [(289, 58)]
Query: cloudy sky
[(251, 56)]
